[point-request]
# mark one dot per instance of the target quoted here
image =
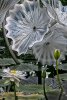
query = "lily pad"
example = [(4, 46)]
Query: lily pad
[(6, 61), (26, 67), (63, 76), (63, 66)]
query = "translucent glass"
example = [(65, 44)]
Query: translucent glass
[(57, 11), (26, 25), (55, 40), (4, 7)]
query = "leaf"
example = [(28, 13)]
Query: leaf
[(63, 66), (64, 2), (33, 88), (2, 83), (6, 61), (1, 39), (17, 84), (2, 47), (12, 79), (26, 67), (63, 76), (7, 82)]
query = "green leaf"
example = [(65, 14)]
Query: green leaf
[(12, 79), (2, 83), (26, 67), (33, 88), (1, 39), (7, 82), (63, 66), (63, 76), (17, 83), (6, 61), (64, 2)]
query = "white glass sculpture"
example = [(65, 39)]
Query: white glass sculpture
[(55, 40), (62, 13), (5, 5), (26, 25), (57, 12)]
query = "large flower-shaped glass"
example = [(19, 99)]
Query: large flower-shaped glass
[(62, 13), (57, 12), (26, 25), (4, 7), (50, 8), (13, 75), (45, 49)]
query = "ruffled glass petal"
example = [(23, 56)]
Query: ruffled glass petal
[(4, 7), (44, 50), (62, 13), (26, 25), (57, 11)]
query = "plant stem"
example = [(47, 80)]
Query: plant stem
[(39, 73), (59, 81), (15, 91), (44, 89), (41, 4)]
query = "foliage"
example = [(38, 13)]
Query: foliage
[(64, 2)]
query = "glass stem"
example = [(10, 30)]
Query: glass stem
[(59, 81)]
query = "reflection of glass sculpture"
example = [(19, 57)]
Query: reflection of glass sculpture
[(4, 7), (26, 25)]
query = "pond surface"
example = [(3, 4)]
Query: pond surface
[(51, 96)]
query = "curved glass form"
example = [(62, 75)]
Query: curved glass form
[(26, 25), (44, 50), (4, 7)]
